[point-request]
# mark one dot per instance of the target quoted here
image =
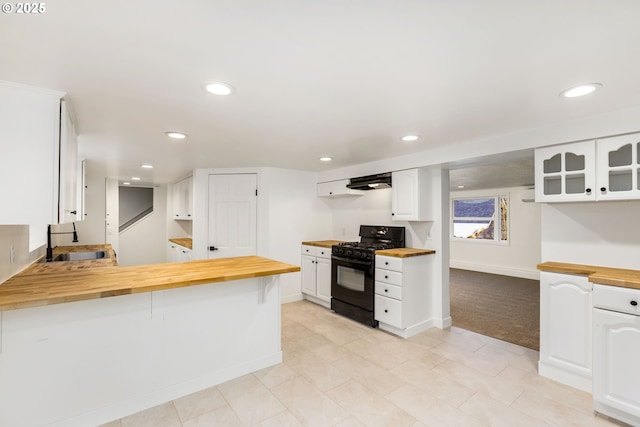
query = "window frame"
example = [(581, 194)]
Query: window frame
[(496, 217)]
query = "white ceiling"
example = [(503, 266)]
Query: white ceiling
[(339, 78)]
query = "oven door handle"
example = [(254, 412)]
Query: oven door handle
[(351, 261)]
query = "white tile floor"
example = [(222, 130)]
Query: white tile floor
[(339, 373)]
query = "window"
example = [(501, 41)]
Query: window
[(484, 219)]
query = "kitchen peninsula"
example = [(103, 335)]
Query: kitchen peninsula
[(86, 342)]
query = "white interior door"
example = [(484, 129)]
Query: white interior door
[(232, 215)]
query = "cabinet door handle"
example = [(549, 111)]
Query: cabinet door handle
[(386, 277), (213, 248), (634, 303), (386, 290), (386, 311), (386, 263), (588, 190), (392, 214), (603, 189)]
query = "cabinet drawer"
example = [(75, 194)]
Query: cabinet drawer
[(323, 252), (388, 311), (389, 262), (617, 299), (387, 290), (387, 276), (309, 250)]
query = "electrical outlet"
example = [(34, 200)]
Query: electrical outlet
[(12, 254)]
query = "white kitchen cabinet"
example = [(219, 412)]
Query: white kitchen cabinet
[(182, 199), (566, 173), (566, 329), (316, 274), (402, 303), (336, 189), (410, 195), (178, 253), (616, 372), (604, 169), (39, 157), (618, 168)]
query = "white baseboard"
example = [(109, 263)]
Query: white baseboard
[(290, 298), (496, 269), (568, 378), (442, 323)]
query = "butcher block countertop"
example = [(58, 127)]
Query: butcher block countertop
[(60, 266), (602, 275), (64, 283), (405, 252), (322, 243), (187, 242)]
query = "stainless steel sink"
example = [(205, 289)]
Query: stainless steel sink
[(81, 256)]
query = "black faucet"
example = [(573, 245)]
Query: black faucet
[(49, 233)]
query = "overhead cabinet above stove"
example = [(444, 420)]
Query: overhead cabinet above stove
[(337, 189)]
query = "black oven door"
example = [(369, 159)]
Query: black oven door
[(352, 282)]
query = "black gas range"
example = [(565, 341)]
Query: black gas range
[(353, 271)]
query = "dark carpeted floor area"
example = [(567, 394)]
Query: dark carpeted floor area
[(503, 307)]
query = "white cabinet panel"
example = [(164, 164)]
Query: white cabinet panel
[(39, 161), (616, 372), (410, 197), (566, 172), (402, 300), (316, 274), (566, 329), (603, 169), (182, 199), (618, 167), (336, 189)]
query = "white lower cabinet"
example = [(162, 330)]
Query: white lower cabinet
[(565, 329), (616, 371), (402, 303), (178, 253), (316, 274)]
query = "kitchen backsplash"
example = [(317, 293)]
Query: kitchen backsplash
[(12, 262)]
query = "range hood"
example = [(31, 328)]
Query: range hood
[(371, 182)]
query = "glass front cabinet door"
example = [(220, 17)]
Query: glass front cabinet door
[(618, 168), (566, 173)]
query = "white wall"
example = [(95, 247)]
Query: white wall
[(145, 242), (595, 233), (520, 257), (294, 214)]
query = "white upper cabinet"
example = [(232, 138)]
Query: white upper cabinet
[(183, 199), (68, 185), (566, 173), (336, 189), (38, 165), (604, 169), (410, 198), (618, 168)]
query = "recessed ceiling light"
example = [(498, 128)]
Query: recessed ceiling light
[(126, 183), (219, 88), (176, 135), (580, 90), (325, 159), (146, 166), (460, 186), (410, 138), (135, 178)]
